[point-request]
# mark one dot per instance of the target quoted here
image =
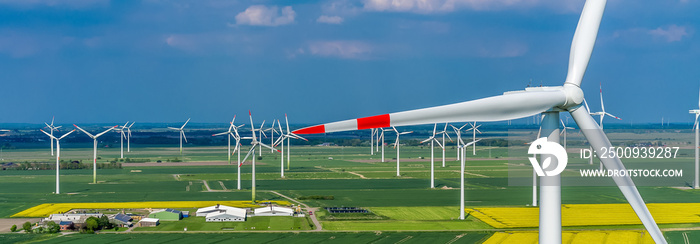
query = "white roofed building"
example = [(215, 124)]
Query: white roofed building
[(221, 213), (274, 211)]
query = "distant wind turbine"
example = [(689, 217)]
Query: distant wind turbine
[(397, 145), (182, 133), (432, 154), (255, 143), (58, 157), (474, 129), (51, 129), (286, 136), (94, 152), (233, 132)]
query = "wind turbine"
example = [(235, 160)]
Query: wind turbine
[(122, 135), (51, 129), (255, 143), (696, 127), (397, 145), (289, 135), (602, 115), (128, 137), (432, 154), (272, 134), (458, 131), (461, 176), (233, 132), (474, 129), (518, 104), (58, 156), (444, 133), (563, 131), (182, 133), (94, 151), (262, 133)]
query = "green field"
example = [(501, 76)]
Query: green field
[(353, 177)]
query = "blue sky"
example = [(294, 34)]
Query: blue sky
[(106, 61)]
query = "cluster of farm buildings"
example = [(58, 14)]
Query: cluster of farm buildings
[(218, 213)]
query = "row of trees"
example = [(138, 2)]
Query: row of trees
[(62, 164)]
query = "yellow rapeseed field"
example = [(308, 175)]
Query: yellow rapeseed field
[(46, 209), (588, 214), (574, 237)]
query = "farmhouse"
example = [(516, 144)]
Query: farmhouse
[(77, 219), (168, 214), (121, 220), (274, 211), (149, 222)]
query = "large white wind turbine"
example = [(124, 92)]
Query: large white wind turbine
[(254, 143), (58, 156), (51, 129), (432, 154), (696, 127), (94, 151), (518, 104), (182, 133), (397, 145)]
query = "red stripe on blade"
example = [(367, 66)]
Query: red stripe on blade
[(318, 129), (378, 121)]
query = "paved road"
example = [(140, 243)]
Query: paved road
[(307, 208)]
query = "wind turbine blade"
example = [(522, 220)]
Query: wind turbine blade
[(183, 135), (297, 136), (132, 124), (64, 135), (584, 40), (286, 121), (234, 119), (183, 126), (222, 133), (252, 127), (173, 128), (87, 133), (48, 126), (434, 129), (438, 142), (52, 137), (252, 149), (111, 128), (471, 143), (448, 135), (56, 128), (269, 147), (52, 118), (426, 140), (608, 114), (511, 105), (598, 140), (586, 103), (696, 121)]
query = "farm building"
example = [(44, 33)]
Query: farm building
[(274, 211), (167, 214), (121, 220), (78, 219), (202, 212), (149, 222)]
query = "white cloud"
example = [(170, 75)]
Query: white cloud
[(266, 16), (330, 19), (340, 49), (672, 33)]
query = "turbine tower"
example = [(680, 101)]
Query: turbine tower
[(696, 127), (461, 176), (397, 145), (122, 135), (51, 129), (549, 101), (432, 154), (255, 143), (58, 157), (182, 133), (94, 151)]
